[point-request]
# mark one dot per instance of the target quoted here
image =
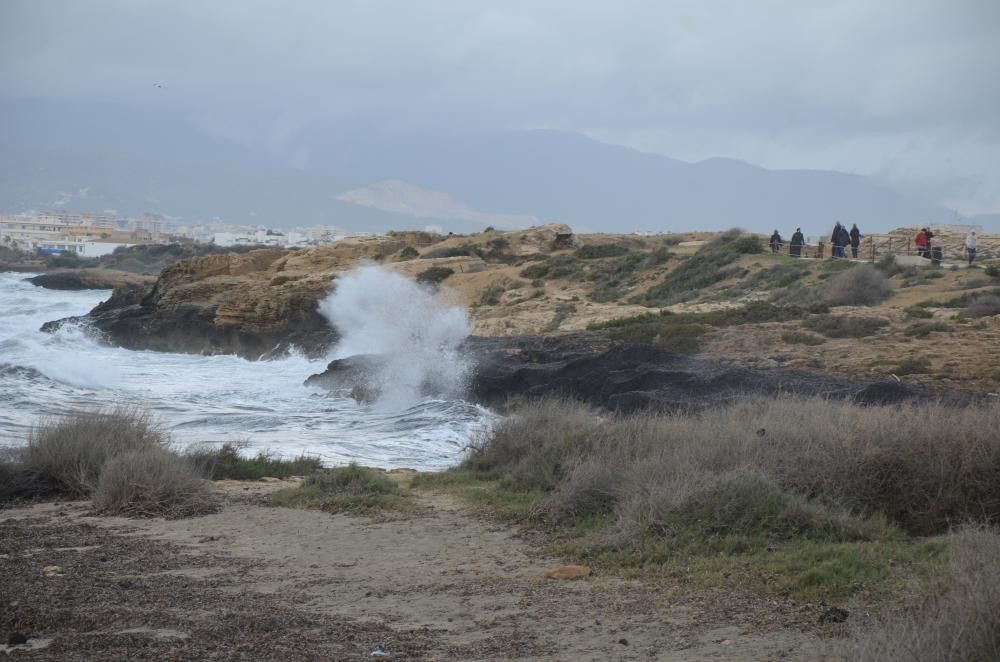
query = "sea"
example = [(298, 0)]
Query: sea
[(210, 400)]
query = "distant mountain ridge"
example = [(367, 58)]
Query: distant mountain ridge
[(95, 157)]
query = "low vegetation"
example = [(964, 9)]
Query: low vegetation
[(434, 275), (153, 482), (912, 366), (119, 457), (960, 621), (824, 498), (680, 332), (862, 285), (230, 462), (712, 264), (799, 338), (352, 489), (924, 329), (844, 326)]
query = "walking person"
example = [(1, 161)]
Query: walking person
[(921, 242), (795, 248), (970, 246), (776, 242), (845, 239), (855, 240)]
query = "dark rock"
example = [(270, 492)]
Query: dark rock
[(626, 377), (17, 639), (834, 615), (87, 279)]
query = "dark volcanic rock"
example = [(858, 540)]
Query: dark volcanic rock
[(628, 377)]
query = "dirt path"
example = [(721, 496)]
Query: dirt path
[(296, 584)]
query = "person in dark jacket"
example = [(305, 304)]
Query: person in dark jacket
[(775, 242), (835, 239), (795, 248), (855, 240), (845, 238)]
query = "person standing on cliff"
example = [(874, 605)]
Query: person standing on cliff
[(795, 248), (928, 235), (776, 242), (970, 247), (855, 240), (838, 248)]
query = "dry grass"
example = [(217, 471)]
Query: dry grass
[(962, 623), (863, 285), (152, 482), (67, 454), (818, 462)]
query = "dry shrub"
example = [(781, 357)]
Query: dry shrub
[(863, 285), (531, 449), (924, 467), (962, 623), (68, 453), (152, 482), (983, 306)]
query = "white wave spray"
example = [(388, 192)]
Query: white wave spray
[(415, 333)]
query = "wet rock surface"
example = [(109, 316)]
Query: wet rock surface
[(629, 377)]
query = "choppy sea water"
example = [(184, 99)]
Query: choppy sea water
[(209, 399)]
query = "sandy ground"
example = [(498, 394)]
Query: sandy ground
[(255, 582)]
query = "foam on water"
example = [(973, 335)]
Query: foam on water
[(222, 398)]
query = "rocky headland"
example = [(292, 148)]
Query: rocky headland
[(618, 320)]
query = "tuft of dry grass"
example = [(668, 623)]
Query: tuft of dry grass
[(863, 285), (68, 453), (961, 623), (152, 482)]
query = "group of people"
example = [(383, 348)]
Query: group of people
[(794, 248), (841, 239)]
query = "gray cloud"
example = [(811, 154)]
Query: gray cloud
[(907, 91)]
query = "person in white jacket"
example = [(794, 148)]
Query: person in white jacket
[(970, 246)]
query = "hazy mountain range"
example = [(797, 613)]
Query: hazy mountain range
[(90, 157)]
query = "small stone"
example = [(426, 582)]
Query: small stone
[(727, 642), (52, 570), (16, 639), (568, 572), (623, 641), (834, 615)]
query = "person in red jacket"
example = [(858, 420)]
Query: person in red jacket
[(921, 242)]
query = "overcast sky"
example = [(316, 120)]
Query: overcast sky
[(907, 90)]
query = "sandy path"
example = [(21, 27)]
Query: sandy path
[(475, 589)]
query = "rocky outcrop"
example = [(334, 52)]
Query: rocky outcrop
[(245, 304), (627, 377), (89, 279)]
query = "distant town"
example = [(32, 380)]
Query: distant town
[(95, 234)]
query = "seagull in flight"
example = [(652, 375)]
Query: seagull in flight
[(160, 86)]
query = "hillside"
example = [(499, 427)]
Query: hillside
[(100, 156)]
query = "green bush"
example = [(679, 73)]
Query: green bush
[(434, 275), (408, 253), (352, 489), (596, 251), (229, 463), (703, 269), (918, 312), (798, 338), (983, 306)]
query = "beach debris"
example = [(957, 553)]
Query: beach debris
[(378, 652), (52, 570), (568, 572)]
